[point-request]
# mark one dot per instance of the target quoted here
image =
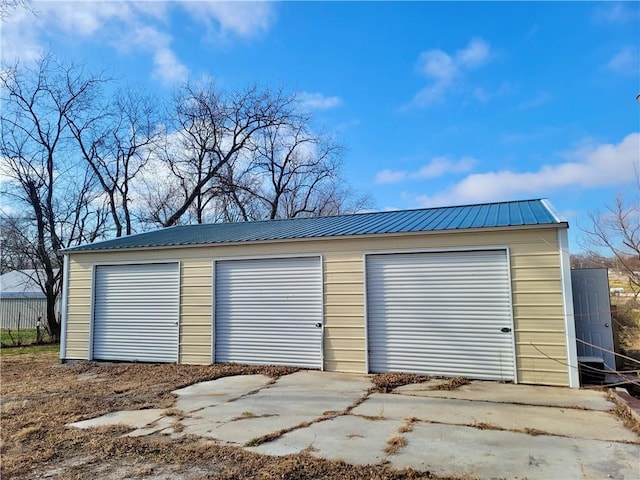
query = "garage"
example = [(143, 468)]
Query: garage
[(446, 313), (136, 312), (481, 291), (269, 311)]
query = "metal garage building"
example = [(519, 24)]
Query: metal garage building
[(482, 291)]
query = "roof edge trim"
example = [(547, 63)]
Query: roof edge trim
[(554, 213)]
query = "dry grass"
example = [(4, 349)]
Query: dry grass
[(451, 384), (245, 415), (487, 426), (407, 426), (39, 396), (386, 382), (622, 412), (174, 412), (394, 444)]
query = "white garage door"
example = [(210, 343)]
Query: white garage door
[(269, 311), (136, 311), (440, 314)]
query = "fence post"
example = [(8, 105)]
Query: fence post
[(38, 334)]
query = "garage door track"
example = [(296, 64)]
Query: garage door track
[(479, 430)]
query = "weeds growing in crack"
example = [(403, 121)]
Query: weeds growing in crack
[(177, 427), (407, 426), (269, 437), (451, 384), (486, 426), (394, 444), (386, 382), (246, 415), (174, 412)]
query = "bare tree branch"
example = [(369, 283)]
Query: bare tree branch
[(44, 179)]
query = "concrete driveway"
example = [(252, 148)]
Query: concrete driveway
[(480, 430)]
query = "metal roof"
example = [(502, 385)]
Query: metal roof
[(490, 215), (21, 284)]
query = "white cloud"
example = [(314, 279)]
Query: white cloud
[(437, 167), (390, 176), (616, 12), (317, 101), (625, 61), (84, 19), (587, 167), (129, 27), (437, 65), (20, 38), (244, 19), (474, 55), (440, 166), (443, 69), (167, 67)]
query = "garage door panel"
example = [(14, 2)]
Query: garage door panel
[(440, 314), (267, 311), (136, 311)]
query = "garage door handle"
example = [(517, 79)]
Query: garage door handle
[(505, 329), (318, 325)]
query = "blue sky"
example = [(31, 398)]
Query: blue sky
[(437, 103)]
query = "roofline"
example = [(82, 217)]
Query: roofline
[(562, 224), (544, 201)]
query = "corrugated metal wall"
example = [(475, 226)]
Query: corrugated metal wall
[(440, 314), (22, 313), (269, 311), (136, 312), (536, 284)]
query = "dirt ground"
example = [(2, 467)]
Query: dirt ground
[(40, 395)]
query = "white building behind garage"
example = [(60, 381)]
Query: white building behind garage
[(22, 301), (481, 291)]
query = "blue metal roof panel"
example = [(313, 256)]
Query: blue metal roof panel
[(504, 214)]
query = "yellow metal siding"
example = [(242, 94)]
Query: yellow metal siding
[(344, 331), (535, 278), (78, 309), (195, 311)]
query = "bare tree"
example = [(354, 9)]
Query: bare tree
[(617, 231), (293, 165), (291, 171), (212, 128), (13, 230), (8, 7), (116, 144), (57, 196)]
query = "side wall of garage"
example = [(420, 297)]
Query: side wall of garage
[(536, 283)]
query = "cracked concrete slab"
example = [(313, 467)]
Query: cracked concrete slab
[(214, 392), (243, 431), (291, 400), (239, 409), (133, 418), (354, 440), (517, 394), (159, 425), (459, 451), (558, 421)]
